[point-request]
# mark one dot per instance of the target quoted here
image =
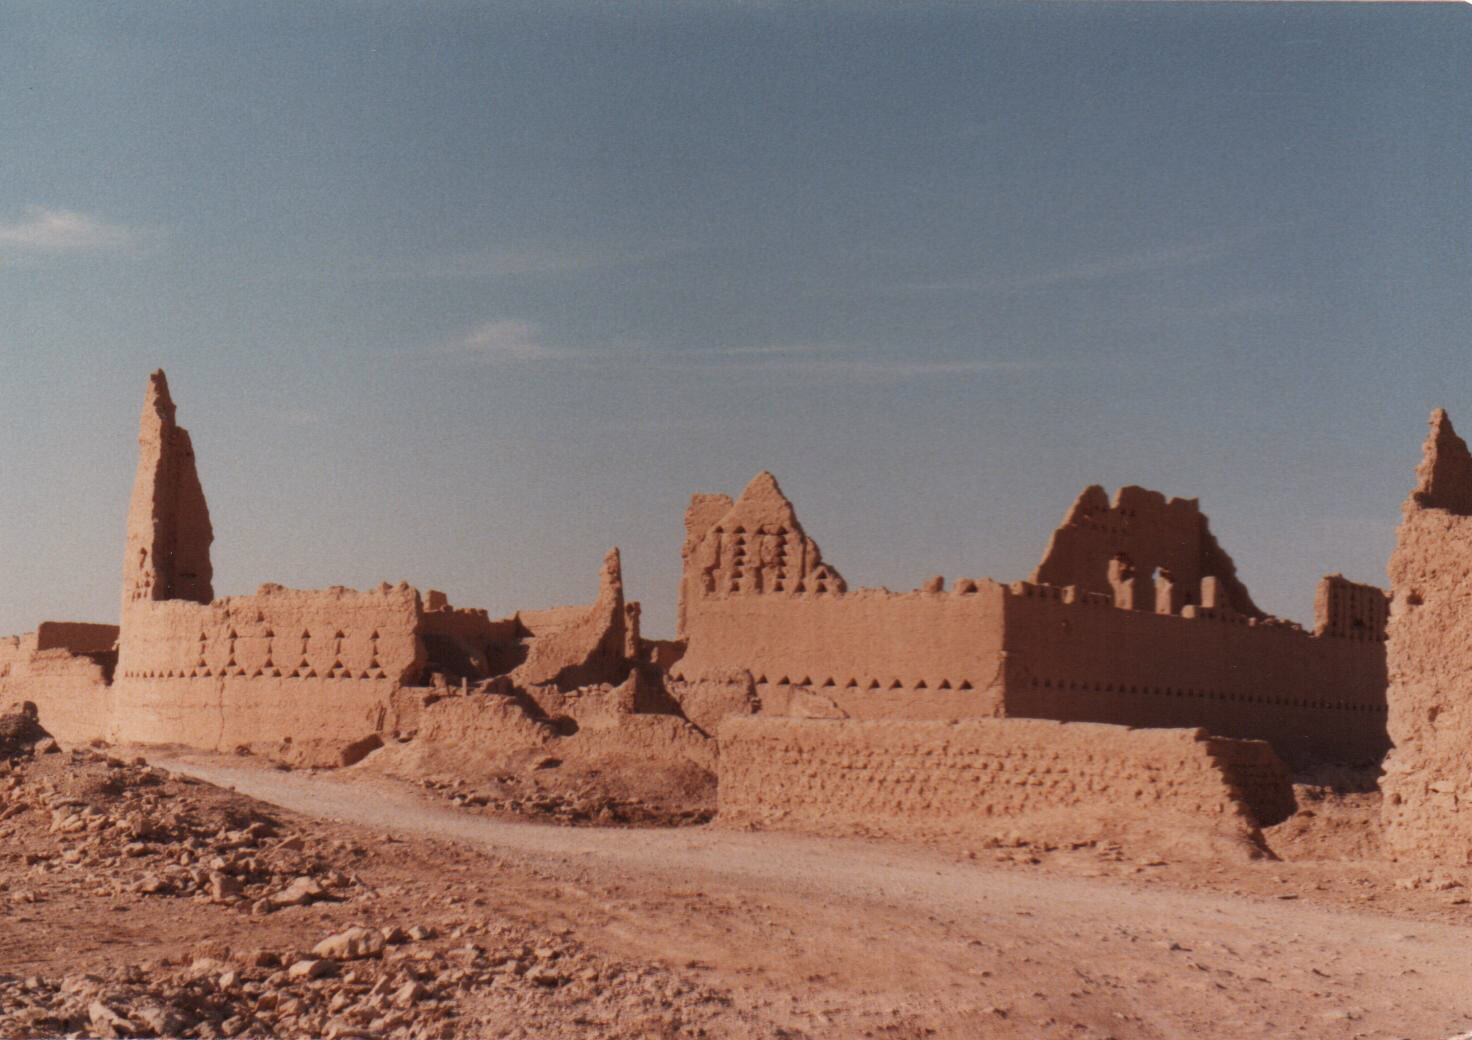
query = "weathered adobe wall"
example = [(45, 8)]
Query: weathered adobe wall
[(334, 633), (64, 668), (312, 670), (913, 779), (1168, 638), (1427, 782), (1085, 660), (77, 637), (756, 595), (71, 691), (753, 546), (873, 653)]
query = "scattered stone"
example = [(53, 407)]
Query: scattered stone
[(353, 944)]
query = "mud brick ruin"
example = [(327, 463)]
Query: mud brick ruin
[(1132, 672), (1135, 616), (318, 676)]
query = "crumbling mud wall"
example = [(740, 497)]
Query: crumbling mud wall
[(1151, 628), (1142, 533), (966, 778), (579, 646), (65, 669), (318, 676), (1427, 781)]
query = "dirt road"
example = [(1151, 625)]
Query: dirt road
[(827, 937)]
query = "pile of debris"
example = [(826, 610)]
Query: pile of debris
[(21, 734), (130, 823), (580, 805), (367, 982)]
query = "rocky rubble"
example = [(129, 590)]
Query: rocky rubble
[(21, 733), (368, 982), (136, 826), (311, 948), (577, 806)]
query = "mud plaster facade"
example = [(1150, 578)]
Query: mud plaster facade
[(319, 676), (971, 778), (1427, 782), (1135, 616)]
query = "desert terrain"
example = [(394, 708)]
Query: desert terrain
[(172, 892)]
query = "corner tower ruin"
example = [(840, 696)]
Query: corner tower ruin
[(1427, 783), (169, 533)]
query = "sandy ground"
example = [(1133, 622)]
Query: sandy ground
[(822, 937)]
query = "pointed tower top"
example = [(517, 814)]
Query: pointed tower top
[(1444, 477), (158, 406), (612, 576), (169, 532), (763, 481)]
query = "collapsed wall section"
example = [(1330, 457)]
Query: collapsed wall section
[(1137, 536), (64, 668), (964, 778), (1427, 782), (581, 646)]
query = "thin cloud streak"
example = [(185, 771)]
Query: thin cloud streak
[(507, 262), (510, 341), (54, 231), (1145, 261)]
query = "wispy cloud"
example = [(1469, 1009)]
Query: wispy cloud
[(782, 350), (511, 341), (1164, 257), (523, 342), (55, 231), (507, 261)]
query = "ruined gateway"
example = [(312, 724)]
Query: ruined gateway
[(1134, 618)]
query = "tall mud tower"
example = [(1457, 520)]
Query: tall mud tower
[(169, 533), (1427, 784)]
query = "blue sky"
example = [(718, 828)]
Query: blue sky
[(463, 294)]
